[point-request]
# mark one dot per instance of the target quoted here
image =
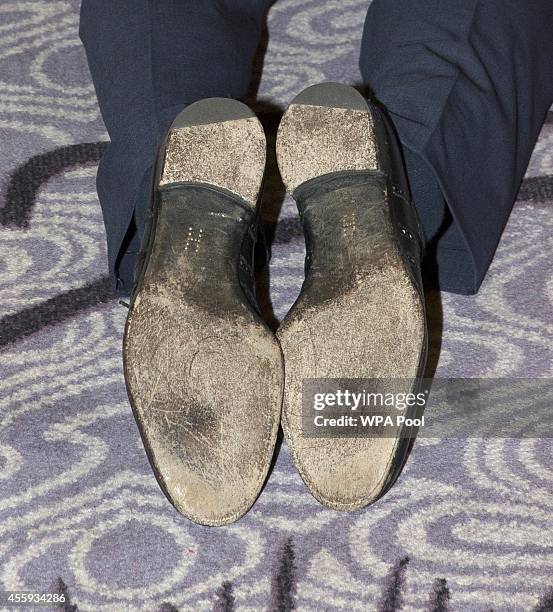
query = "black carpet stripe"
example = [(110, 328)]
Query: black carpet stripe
[(26, 180), (224, 598), (392, 596), (14, 327), (536, 189), (284, 581), (167, 607), (60, 588), (440, 596), (21, 193), (546, 603)]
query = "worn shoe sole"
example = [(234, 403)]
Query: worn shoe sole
[(359, 314), (204, 374)]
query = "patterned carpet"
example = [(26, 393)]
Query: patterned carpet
[(469, 525)]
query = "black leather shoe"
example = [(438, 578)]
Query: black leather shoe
[(204, 374), (361, 310)]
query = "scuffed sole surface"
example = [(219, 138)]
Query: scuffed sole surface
[(359, 315), (204, 374)]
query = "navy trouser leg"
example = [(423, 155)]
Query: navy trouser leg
[(148, 60), (468, 84)]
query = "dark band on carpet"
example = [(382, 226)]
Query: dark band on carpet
[(60, 588), (56, 310), (284, 581), (224, 598), (546, 603), (536, 189), (167, 607), (284, 586), (26, 180), (21, 193), (440, 596), (392, 597)]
